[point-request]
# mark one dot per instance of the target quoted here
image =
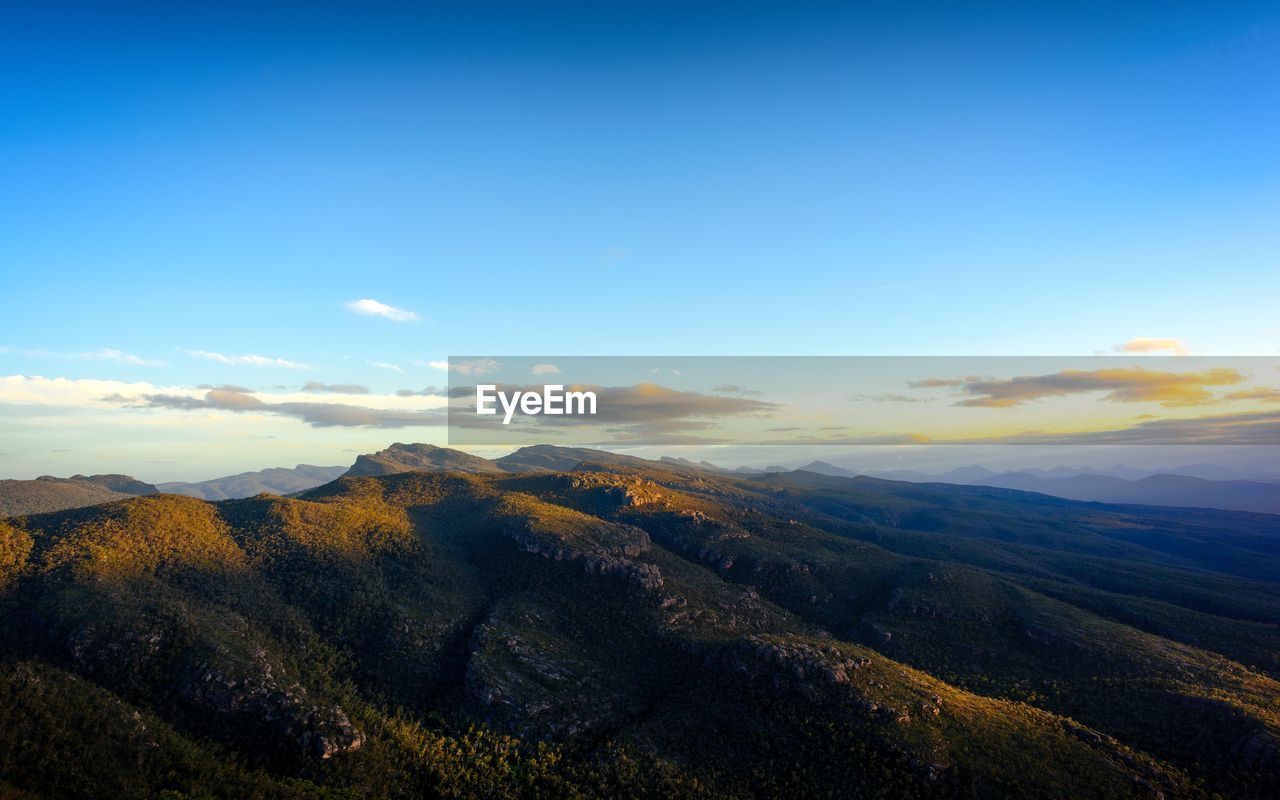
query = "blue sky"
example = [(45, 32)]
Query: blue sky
[(694, 178)]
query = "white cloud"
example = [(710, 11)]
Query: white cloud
[(545, 369), (89, 393), (111, 354), (475, 367), (105, 354), (1148, 344), (372, 308), (385, 365), (40, 391), (252, 360), (479, 367)]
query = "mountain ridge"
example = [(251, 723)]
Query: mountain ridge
[(850, 636), (272, 480)]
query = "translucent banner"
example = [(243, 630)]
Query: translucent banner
[(812, 400)]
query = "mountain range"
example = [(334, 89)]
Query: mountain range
[(1123, 485), (1117, 484), (585, 624), (1154, 490), (277, 480)]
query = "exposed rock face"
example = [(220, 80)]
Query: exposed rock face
[(826, 676), (645, 576), (625, 542), (903, 602), (1147, 780), (228, 684), (252, 688), (616, 491), (793, 665), (622, 540), (532, 681), (696, 535)]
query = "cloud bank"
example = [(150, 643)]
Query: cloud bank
[(1123, 385), (318, 415)]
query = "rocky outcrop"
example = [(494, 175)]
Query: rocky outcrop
[(252, 688), (531, 681), (903, 602), (224, 683), (825, 675), (1146, 777), (625, 542), (791, 665), (645, 576), (613, 491), (1260, 752)]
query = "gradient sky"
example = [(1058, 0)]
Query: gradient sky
[(599, 178)]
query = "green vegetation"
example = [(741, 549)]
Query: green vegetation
[(633, 630)]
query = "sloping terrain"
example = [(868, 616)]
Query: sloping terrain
[(626, 631), (419, 458), (125, 484), (47, 493), (276, 480)]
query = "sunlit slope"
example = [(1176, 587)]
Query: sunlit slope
[(617, 630)]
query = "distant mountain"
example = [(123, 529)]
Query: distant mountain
[(1183, 490), (676, 461), (46, 493), (1156, 490), (823, 468), (125, 484), (399, 458), (1217, 472), (561, 459), (277, 480), (1121, 471), (958, 475), (684, 462), (966, 474), (1074, 487), (419, 458)]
